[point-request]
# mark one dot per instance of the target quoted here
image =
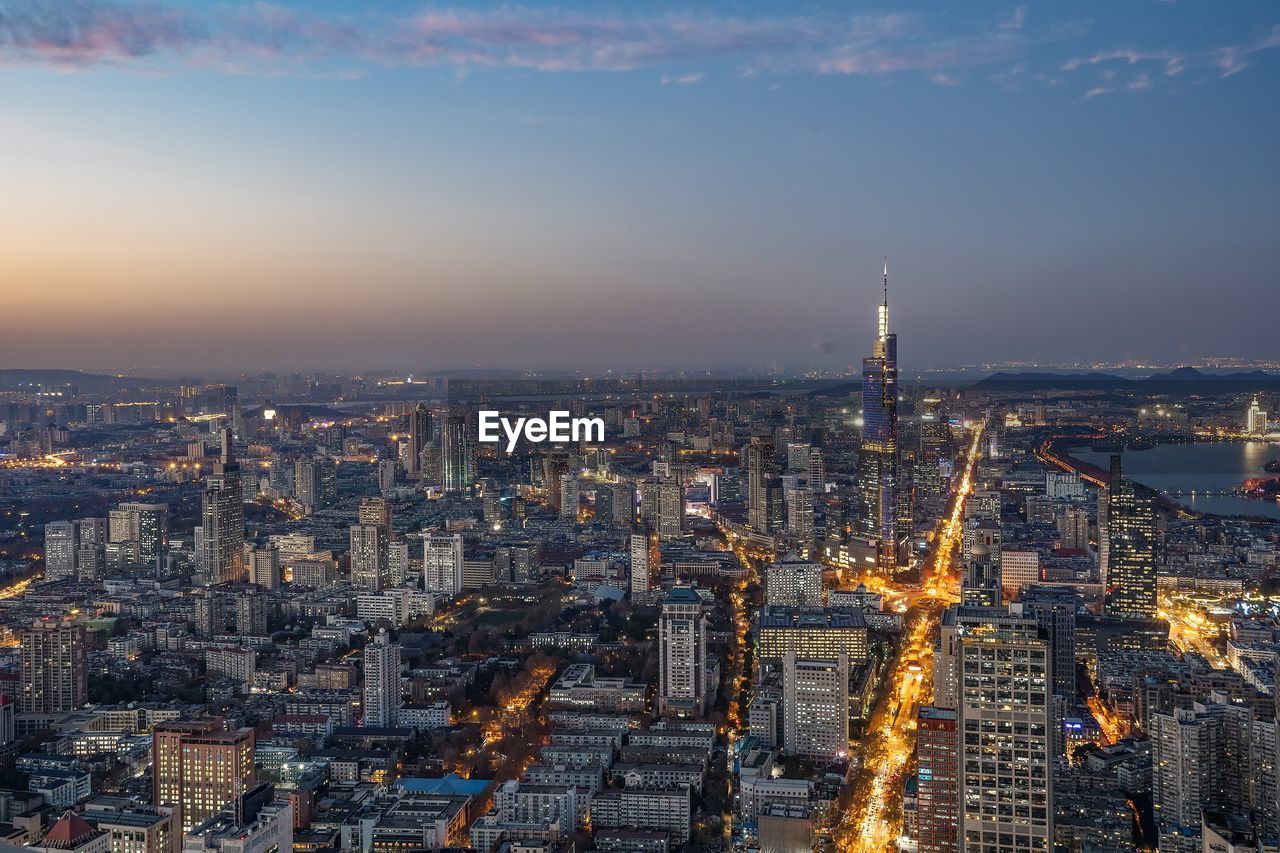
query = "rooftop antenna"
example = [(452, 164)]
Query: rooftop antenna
[(884, 308)]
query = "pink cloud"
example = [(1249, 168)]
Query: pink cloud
[(1233, 59), (270, 38)]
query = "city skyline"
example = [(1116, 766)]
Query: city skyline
[(588, 426), (322, 188)]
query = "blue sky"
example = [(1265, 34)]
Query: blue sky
[(329, 185)]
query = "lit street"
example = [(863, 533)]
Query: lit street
[(872, 819)]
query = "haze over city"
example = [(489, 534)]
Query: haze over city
[(192, 186)]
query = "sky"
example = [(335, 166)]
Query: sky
[(624, 185)]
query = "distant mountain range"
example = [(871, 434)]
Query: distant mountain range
[(1179, 379), (18, 379)]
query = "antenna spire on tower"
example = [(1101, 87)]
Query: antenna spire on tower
[(886, 280), (883, 325)]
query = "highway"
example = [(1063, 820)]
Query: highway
[(871, 821), (1189, 631)]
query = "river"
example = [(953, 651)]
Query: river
[(1203, 466)]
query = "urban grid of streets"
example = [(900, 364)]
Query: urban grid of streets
[(870, 821)]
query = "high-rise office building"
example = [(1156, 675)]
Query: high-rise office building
[(381, 682), (251, 610), (878, 452), (315, 482), (938, 778), (793, 582), (1189, 767), (222, 519), (624, 503), (442, 563), (935, 435), (817, 474), (388, 470), (455, 454), (798, 457), (1215, 756), (1256, 419), (1073, 527), (981, 585), (369, 556), (815, 707), (759, 461), (419, 439), (647, 487), (1054, 608), (376, 512), (1131, 559), (145, 526), (800, 519), (306, 482), (397, 562), (199, 767), (813, 632), (518, 563), (54, 673), (682, 654), (670, 508), (604, 504), (264, 567), (569, 496), (61, 550), (1004, 670), (646, 562)]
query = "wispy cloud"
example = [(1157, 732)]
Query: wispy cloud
[(266, 36), (1233, 58), (1016, 19), (682, 79), (273, 39), (1129, 55), (1226, 60)]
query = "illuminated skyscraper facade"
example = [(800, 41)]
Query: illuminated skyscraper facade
[(1131, 557), (1004, 724), (382, 664), (455, 455), (931, 480), (1256, 419), (222, 519), (815, 703), (761, 464), (369, 557), (938, 774), (442, 557), (682, 650), (199, 766), (54, 672), (878, 454), (419, 439)]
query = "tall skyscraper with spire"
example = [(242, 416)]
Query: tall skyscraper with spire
[(222, 519), (878, 453)]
